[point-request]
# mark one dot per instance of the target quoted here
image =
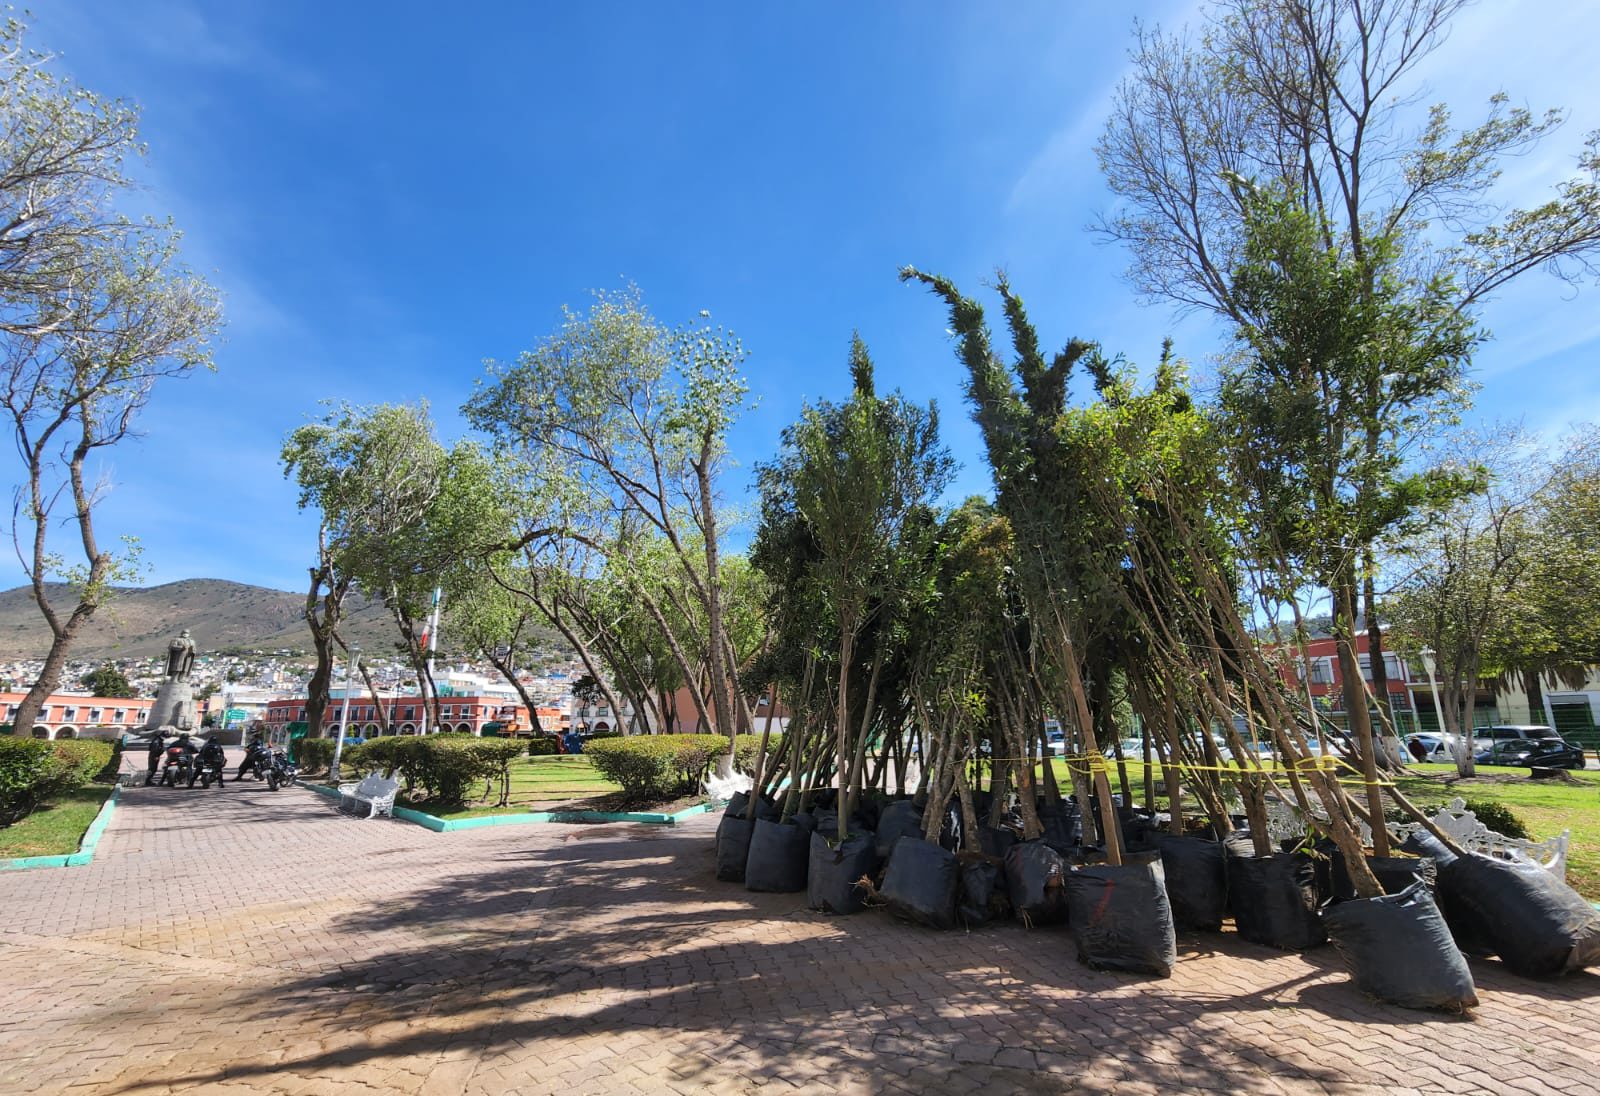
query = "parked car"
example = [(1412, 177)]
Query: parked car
[(1518, 732), (1057, 741), (1551, 752), (1439, 748)]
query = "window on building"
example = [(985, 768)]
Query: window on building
[(121, 716), (1322, 671), (70, 714), (95, 715), (1391, 667)]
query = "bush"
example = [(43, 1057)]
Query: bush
[(33, 770), (1498, 817), (656, 766), (543, 745), (747, 747), (441, 765), (313, 754), (86, 759), (386, 754)]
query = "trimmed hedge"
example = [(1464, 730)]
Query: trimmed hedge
[(655, 766), (543, 745), (313, 754), (441, 765), (33, 770), (660, 766)]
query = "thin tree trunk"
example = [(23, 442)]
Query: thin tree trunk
[(1355, 701)]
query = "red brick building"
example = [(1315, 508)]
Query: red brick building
[(1321, 660)]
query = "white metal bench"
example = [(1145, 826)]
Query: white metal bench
[(1454, 819), (375, 790)]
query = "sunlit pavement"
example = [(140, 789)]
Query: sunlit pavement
[(248, 941)]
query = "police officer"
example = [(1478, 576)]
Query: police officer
[(157, 748)]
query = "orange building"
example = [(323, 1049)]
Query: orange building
[(71, 715), (458, 714)]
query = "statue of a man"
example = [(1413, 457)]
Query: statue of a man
[(180, 656)]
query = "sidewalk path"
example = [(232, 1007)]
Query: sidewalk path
[(243, 941)]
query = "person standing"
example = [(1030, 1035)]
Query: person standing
[(157, 748)]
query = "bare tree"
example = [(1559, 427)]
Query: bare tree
[(94, 310)]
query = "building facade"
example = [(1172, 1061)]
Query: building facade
[(74, 715), (457, 714)]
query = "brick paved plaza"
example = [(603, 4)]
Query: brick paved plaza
[(249, 942)]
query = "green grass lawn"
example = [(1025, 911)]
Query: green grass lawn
[(55, 828), (1545, 807), (538, 783)]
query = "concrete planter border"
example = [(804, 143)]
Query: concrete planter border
[(450, 825), (86, 847)]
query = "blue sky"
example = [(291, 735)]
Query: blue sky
[(390, 193)]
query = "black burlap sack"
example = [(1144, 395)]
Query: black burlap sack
[(902, 818), (1535, 923), (1471, 936), (1122, 919), (1035, 878), (922, 882), (1399, 950), (1063, 830), (765, 808), (779, 855), (733, 847), (983, 893), (1274, 900), (833, 872), (1197, 881), (996, 841), (1395, 873)]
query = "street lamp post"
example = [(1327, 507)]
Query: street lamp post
[(344, 715)]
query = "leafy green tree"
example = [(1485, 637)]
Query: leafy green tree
[(618, 415), (1502, 583), (371, 474), (95, 309), (108, 681), (1345, 365), (1314, 100), (854, 474)]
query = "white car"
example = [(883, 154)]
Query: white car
[(1439, 748)]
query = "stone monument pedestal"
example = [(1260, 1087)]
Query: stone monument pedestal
[(174, 706)]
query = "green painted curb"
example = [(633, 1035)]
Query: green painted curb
[(86, 847), (450, 825)]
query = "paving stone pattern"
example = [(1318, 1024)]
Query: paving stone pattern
[(245, 941)]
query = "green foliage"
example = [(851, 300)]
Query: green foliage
[(33, 770), (108, 681), (543, 745), (1498, 817), (314, 754), (747, 746), (83, 759), (442, 766), (655, 767)]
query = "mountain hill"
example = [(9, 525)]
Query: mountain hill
[(220, 615)]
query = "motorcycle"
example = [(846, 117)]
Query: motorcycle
[(281, 772), (205, 771), (257, 761), (179, 769)]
